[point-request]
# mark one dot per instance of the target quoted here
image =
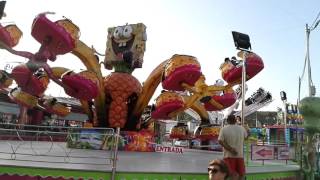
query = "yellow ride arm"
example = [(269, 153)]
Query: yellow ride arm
[(57, 72), (197, 107), (148, 89), (86, 55)]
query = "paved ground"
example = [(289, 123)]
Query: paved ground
[(189, 162), (56, 155)]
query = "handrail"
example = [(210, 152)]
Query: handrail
[(39, 144)]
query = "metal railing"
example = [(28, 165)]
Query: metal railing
[(59, 145)]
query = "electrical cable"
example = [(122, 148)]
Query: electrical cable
[(304, 67), (315, 23)]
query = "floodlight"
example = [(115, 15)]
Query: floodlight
[(2, 5), (283, 95), (241, 41)]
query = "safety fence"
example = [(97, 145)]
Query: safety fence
[(65, 146)]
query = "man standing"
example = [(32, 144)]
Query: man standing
[(231, 138)]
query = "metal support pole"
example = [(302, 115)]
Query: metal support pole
[(115, 154), (299, 91), (247, 152), (243, 86), (308, 60), (256, 119), (285, 118)]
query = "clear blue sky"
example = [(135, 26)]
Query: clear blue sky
[(201, 28)]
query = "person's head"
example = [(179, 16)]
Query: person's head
[(231, 119), (219, 82), (238, 119), (218, 170)]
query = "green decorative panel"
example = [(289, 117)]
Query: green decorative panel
[(152, 176), (95, 175), (44, 172), (278, 175), (146, 176)]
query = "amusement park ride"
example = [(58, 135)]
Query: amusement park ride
[(259, 99), (118, 99)]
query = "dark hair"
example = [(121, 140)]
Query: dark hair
[(222, 165), (231, 119)]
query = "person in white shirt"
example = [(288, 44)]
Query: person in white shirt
[(231, 138)]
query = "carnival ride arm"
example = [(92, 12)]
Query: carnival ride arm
[(88, 58), (215, 103), (199, 109), (202, 90), (57, 72), (149, 87), (24, 54), (50, 73)]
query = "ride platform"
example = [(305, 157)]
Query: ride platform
[(53, 160)]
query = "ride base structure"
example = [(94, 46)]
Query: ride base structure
[(42, 152), (116, 101)]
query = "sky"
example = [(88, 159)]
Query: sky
[(201, 28)]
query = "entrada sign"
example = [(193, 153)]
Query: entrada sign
[(169, 149)]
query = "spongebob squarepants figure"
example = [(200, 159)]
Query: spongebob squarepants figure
[(125, 47)]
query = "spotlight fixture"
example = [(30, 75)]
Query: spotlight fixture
[(283, 95), (2, 5), (241, 41)]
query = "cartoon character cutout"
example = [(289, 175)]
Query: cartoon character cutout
[(125, 46)]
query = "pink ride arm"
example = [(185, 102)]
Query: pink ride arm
[(24, 54), (49, 71)]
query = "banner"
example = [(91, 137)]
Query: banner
[(283, 153), (262, 152), (142, 141)]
